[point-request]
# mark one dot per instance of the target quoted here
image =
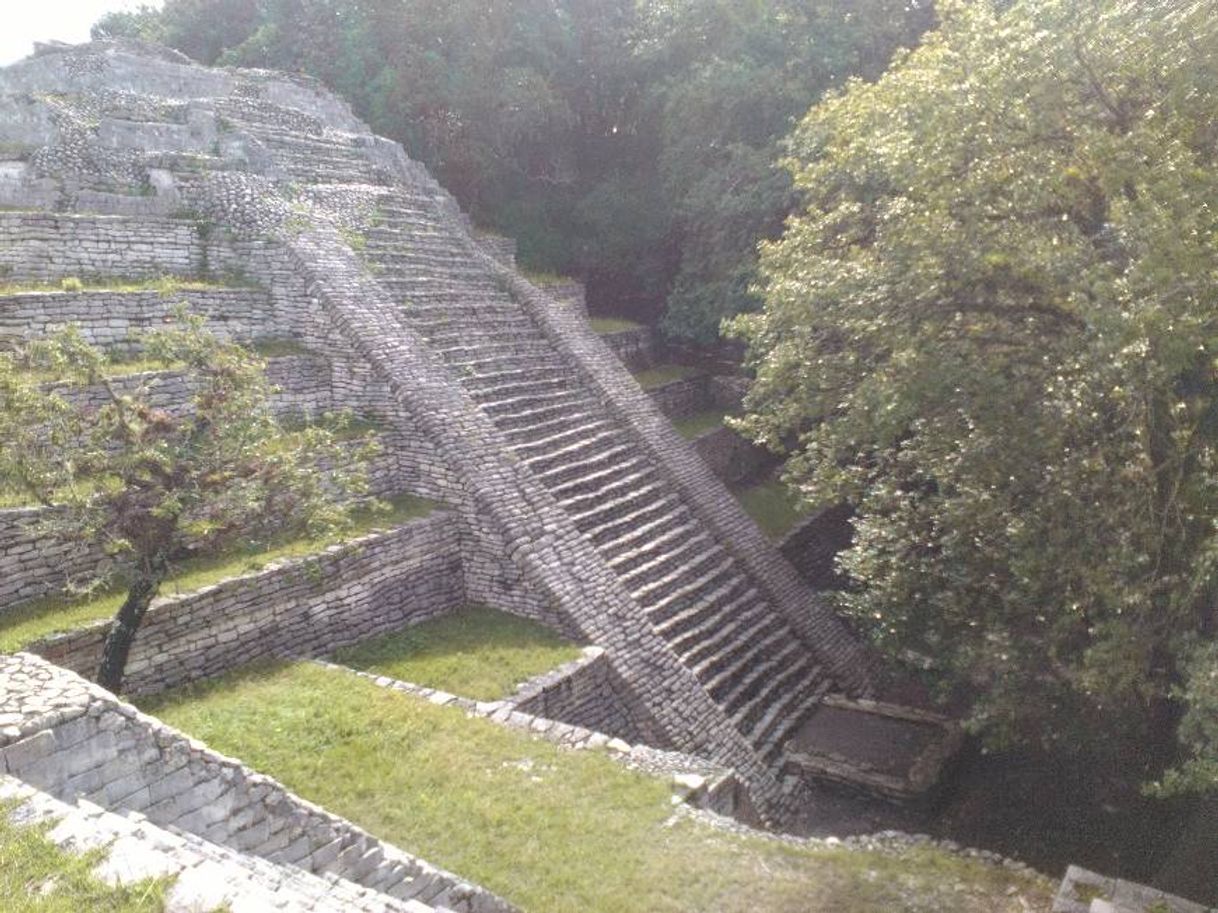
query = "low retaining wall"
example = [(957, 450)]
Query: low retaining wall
[(683, 398), (587, 692), (637, 348), (303, 607), (813, 545), (71, 739), (114, 319), (731, 457)]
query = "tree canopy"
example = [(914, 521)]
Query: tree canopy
[(993, 328), (151, 486), (630, 143)]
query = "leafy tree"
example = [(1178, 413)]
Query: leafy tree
[(629, 143), (150, 485), (993, 328)]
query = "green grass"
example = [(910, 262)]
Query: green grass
[(39, 618), (279, 348), (698, 424), (608, 325), (36, 876), (543, 278), (659, 376), (550, 830), (478, 653), (772, 505), (166, 285)]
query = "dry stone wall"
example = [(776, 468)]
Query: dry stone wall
[(301, 607), (113, 320), (72, 739), (731, 457), (588, 693)]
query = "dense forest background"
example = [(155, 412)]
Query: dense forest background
[(633, 145)]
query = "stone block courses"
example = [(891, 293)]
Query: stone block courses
[(302, 607), (576, 502), (221, 809)]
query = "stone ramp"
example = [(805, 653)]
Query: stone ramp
[(203, 876)]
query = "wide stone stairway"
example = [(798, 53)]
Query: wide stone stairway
[(613, 520), (693, 592)]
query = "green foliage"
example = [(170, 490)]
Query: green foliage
[(221, 471), (477, 653), (629, 143), (992, 328)]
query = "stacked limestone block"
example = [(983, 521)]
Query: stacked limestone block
[(579, 503), (69, 739), (202, 876)]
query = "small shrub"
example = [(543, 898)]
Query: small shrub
[(71, 284)]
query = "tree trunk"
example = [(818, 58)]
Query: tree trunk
[(122, 633)]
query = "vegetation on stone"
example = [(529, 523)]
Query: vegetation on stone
[(585, 834), (608, 325), (477, 653), (700, 423), (629, 144), (650, 378), (991, 328), (38, 877), (31, 621), (221, 474), (772, 505)]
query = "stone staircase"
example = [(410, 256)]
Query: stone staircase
[(202, 876), (693, 592), (547, 444)]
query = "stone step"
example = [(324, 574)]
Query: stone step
[(659, 552), (496, 392), (542, 461), (621, 529), (737, 661), (774, 728), (664, 600), (547, 426), (559, 476), (781, 694), (755, 679), (705, 655), (491, 378), (685, 628), (572, 408), (655, 594), (605, 497), (590, 484), (529, 404), (540, 439)]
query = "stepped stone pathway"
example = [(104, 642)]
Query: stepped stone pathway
[(202, 876)]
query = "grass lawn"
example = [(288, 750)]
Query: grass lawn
[(477, 653), (38, 877), (37, 619), (552, 831), (166, 285), (543, 279), (607, 325), (698, 424), (772, 505), (658, 376)]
